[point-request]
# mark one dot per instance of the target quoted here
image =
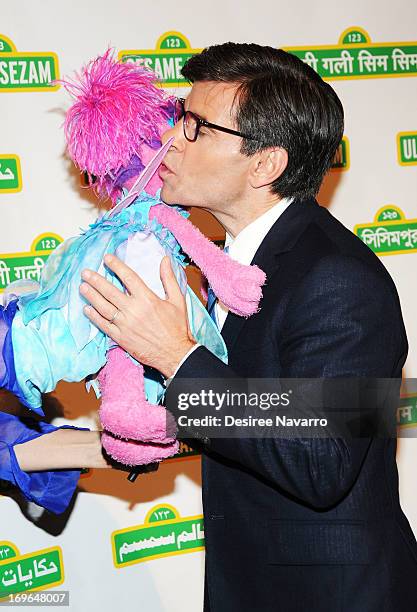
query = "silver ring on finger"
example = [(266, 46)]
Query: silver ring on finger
[(112, 320)]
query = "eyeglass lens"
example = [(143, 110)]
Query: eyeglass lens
[(190, 126), (190, 120), (179, 110)]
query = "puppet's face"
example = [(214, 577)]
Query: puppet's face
[(127, 176), (114, 126), (210, 173), (145, 154)]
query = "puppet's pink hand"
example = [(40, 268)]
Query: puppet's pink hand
[(236, 285), (239, 287), (130, 452), (154, 331)]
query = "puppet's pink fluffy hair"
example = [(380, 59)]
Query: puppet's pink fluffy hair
[(117, 108)]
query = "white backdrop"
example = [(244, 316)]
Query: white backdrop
[(49, 202)]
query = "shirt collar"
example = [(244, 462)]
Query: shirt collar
[(244, 246)]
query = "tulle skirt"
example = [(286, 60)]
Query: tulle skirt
[(45, 334)]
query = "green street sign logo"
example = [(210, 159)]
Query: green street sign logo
[(355, 57), (10, 174), (35, 571), (29, 265), (28, 71), (407, 412), (7, 550), (390, 233), (407, 148), (6, 45), (172, 51), (342, 158), (163, 534)]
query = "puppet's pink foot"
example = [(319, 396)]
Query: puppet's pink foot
[(240, 288), (138, 420), (131, 452), (124, 410)]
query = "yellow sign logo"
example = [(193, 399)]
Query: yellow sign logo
[(341, 161), (356, 57), (172, 51), (29, 265), (34, 571), (163, 534), (26, 71), (407, 412), (390, 233), (407, 148), (10, 174)]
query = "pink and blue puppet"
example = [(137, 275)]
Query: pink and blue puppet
[(113, 132)]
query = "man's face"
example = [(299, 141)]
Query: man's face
[(211, 172)]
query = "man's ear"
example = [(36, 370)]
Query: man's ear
[(267, 166)]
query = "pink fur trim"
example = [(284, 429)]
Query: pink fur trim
[(236, 285), (130, 452), (117, 107), (124, 410)]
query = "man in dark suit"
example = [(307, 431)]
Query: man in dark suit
[(295, 523)]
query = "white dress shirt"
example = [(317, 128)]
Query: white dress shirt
[(243, 249)]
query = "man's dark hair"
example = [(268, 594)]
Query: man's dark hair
[(281, 101)]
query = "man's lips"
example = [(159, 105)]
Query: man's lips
[(164, 170)]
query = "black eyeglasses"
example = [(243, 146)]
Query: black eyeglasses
[(192, 123)]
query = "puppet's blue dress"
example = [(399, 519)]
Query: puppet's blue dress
[(47, 338)]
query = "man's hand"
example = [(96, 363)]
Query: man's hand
[(154, 331)]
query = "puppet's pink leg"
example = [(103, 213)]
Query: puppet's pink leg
[(130, 452), (236, 285), (124, 410)]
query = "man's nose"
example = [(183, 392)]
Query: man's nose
[(175, 132)]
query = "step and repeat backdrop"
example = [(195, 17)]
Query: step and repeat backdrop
[(140, 546)]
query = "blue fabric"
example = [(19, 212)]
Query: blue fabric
[(52, 490), (211, 302), (53, 340), (8, 378)]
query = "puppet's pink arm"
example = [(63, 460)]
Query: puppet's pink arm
[(236, 285)]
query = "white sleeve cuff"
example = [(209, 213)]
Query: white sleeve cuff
[(168, 380)]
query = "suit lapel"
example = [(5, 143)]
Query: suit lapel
[(280, 239)]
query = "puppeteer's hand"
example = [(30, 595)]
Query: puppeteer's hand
[(154, 331)]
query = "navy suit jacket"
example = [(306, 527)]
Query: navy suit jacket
[(308, 524)]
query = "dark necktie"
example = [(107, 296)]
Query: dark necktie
[(212, 298)]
